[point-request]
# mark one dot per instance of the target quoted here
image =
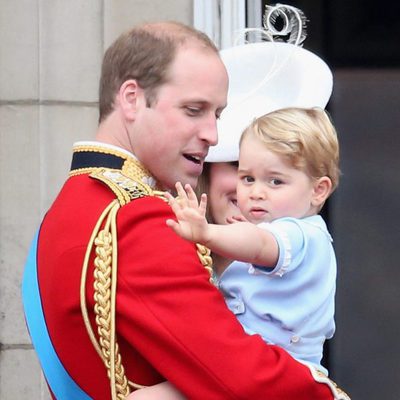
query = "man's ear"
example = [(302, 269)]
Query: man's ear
[(128, 95), (322, 190)]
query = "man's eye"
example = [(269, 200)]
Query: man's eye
[(192, 111)]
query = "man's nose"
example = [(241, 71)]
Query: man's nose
[(209, 131)]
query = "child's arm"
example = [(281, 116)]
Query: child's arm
[(241, 241), (162, 391)]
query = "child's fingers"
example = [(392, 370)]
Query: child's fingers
[(180, 191), (191, 196), (203, 205), (239, 218), (177, 228), (169, 196), (174, 203), (173, 224), (236, 218)]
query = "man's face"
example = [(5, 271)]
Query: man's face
[(171, 138)]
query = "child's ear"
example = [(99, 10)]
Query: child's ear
[(322, 190)]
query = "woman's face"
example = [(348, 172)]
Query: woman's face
[(222, 192)]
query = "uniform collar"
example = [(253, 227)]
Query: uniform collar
[(90, 156)]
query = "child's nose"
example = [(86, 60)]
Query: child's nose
[(258, 192)]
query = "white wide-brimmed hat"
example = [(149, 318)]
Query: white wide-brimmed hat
[(264, 77)]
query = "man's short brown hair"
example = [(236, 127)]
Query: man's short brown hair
[(144, 53)]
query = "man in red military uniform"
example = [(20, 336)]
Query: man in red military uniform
[(114, 300)]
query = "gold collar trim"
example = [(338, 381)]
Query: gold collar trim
[(90, 158)]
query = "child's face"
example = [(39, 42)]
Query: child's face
[(269, 187)]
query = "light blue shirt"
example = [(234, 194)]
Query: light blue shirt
[(292, 304)]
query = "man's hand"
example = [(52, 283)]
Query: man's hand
[(191, 215)]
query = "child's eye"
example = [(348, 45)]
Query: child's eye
[(247, 179), (276, 182)]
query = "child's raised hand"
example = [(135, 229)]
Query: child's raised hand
[(191, 215)]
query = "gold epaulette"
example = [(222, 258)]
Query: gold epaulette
[(338, 393), (128, 183)]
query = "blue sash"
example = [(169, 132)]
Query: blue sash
[(61, 384)]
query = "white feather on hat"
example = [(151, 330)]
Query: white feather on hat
[(264, 77)]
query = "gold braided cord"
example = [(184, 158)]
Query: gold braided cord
[(105, 299), (84, 310), (204, 255), (105, 296), (114, 351), (122, 382)]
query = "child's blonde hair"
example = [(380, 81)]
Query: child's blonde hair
[(305, 137)]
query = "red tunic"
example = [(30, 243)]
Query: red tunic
[(171, 323)]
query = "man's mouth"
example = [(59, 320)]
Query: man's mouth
[(195, 159)]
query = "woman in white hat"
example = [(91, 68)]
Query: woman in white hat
[(263, 77)]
